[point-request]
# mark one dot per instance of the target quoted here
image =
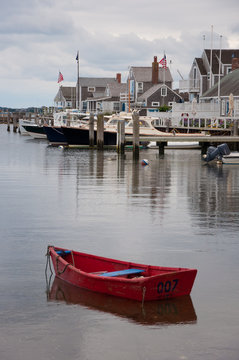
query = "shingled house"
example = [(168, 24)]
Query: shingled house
[(92, 90), (65, 97), (205, 71), (221, 92), (113, 100), (143, 78)]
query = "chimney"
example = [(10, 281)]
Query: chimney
[(118, 78), (155, 71), (235, 63)]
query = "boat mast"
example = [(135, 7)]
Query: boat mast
[(129, 95)]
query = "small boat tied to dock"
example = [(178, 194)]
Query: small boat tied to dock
[(120, 278)]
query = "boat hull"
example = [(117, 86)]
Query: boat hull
[(55, 135), (155, 283), (35, 131), (231, 159), (80, 136)]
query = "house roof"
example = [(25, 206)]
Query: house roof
[(144, 74), (116, 88), (153, 89), (229, 84), (65, 93), (226, 57), (97, 82), (201, 66)]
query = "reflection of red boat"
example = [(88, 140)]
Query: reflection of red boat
[(172, 311), (121, 278)]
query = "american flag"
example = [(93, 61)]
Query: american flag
[(163, 62), (60, 77)]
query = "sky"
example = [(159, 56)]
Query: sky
[(39, 38)]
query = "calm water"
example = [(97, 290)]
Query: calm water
[(175, 212)]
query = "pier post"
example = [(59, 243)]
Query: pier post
[(68, 119), (204, 147), (235, 133), (121, 136), (91, 131), (8, 121), (135, 117), (161, 146), (15, 119), (100, 132)]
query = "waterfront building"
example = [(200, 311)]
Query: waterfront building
[(206, 71)]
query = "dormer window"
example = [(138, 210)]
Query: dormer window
[(163, 91), (140, 87)]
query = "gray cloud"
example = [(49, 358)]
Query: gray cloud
[(39, 37)]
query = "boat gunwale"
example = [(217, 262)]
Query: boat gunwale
[(168, 270)]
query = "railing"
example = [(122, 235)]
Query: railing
[(191, 85), (199, 124)]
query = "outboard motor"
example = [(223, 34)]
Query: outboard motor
[(216, 152)]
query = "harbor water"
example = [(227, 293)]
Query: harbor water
[(176, 211)]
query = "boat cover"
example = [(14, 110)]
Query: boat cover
[(216, 152)]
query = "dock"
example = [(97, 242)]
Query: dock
[(204, 141)]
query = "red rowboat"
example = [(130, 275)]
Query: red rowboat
[(121, 278)]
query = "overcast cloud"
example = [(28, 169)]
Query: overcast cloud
[(40, 37)]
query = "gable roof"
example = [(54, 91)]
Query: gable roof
[(144, 74), (229, 84), (201, 66), (226, 57), (97, 82), (116, 88), (153, 89), (65, 93)]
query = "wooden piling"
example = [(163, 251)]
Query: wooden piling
[(121, 136), (235, 133), (100, 132), (161, 146), (8, 121), (135, 117), (91, 131), (15, 121)]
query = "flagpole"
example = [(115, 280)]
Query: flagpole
[(78, 83), (219, 75), (211, 56)]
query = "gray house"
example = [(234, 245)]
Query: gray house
[(113, 100), (224, 91), (90, 90), (205, 71), (159, 95), (65, 97), (141, 79)]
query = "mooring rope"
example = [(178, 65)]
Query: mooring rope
[(57, 262), (48, 261), (144, 291)]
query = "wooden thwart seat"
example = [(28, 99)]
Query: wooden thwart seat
[(122, 272)]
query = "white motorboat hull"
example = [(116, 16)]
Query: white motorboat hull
[(232, 158)]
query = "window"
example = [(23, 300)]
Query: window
[(91, 88), (155, 103), (140, 87), (116, 106), (163, 91)]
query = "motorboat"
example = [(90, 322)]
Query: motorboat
[(223, 154)]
